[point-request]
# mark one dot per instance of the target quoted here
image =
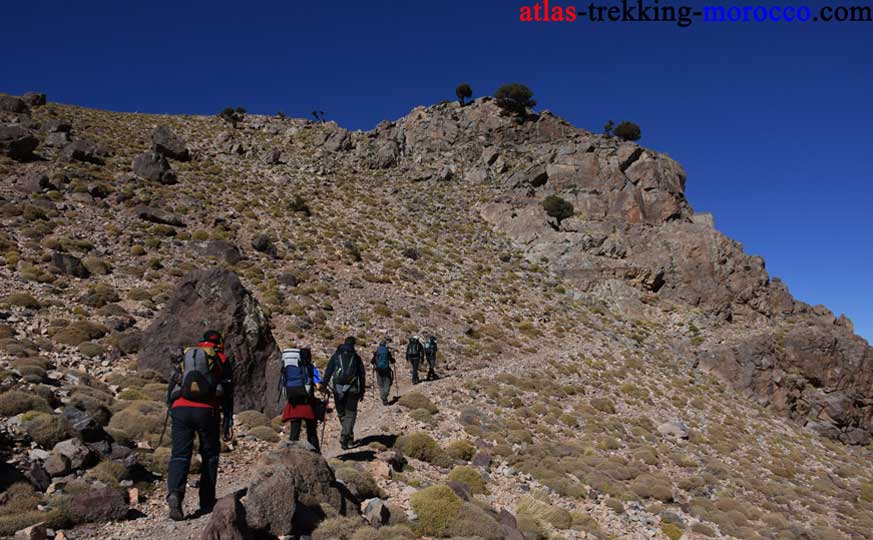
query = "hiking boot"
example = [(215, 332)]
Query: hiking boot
[(385, 402), (174, 502), (344, 444)]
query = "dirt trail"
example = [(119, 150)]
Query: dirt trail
[(234, 467)]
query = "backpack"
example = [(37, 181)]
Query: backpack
[(413, 349), (198, 375), (383, 359), (296, 377), (429, 347), (346, 371)]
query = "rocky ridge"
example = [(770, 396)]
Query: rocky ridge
[(596, 422)]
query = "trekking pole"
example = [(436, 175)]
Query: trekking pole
[(164, 431)]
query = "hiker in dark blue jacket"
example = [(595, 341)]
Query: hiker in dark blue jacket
[(349, 378), (383, 367)]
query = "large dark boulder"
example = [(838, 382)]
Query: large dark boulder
[(289, 489), (13, 104), (85, 151), (17, 142), (69, 265), (155, 215), (155, 167), (263, 244), (216, 299), (166, 143)]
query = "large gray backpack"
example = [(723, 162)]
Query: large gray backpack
[(198, 375)]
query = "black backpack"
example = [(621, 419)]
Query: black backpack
[(346, 370), (413, 349)]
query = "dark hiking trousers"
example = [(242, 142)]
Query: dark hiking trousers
[(431, 368), (347, 411), (415, 363), (311, 431), (384, 382), (188, 421)]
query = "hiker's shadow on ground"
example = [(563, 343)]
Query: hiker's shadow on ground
[(385, 440), (368, 455)]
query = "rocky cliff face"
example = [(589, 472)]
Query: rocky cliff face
[(635, 241)]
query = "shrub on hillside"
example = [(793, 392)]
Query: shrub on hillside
[(628, 131), (46, 430), (264, 433), (558, 208), (16, 402), (469, 476), (421, 446), (463, 91), (417, 400), (461, 450), (437, 508), (514, 98)]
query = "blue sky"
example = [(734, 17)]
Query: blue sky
[(771, 120)]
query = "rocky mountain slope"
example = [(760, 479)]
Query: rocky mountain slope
[(629, 373)]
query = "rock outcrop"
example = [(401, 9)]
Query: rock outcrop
[(155, 167), (634, 239), (17, 142), (290, 490), (167, 144), (216, 299)]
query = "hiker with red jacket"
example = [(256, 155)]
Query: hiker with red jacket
[(200, 390)]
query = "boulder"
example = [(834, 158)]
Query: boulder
[(76, 451), (38, 477), (510, 526), (99, 505), (85, 151), (155, 215), (35, 182), (58, 126), (674, 428), (57, 465), (57, 140), (216, 299), (34, 99), (167, 144), (289, 489), (221, 250), (13, 104), (375, 512), (263, 244), (17, 142), (155, 167), (83, 425), (394, 458), (228, 520), (69, 265), (34, 532)]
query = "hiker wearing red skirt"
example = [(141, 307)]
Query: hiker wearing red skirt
[(299, 380)]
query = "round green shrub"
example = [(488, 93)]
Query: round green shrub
[(46, 430), (416, 400), (437, 508), (461, 450), (264, 433), (469, 476), (15, 402)]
